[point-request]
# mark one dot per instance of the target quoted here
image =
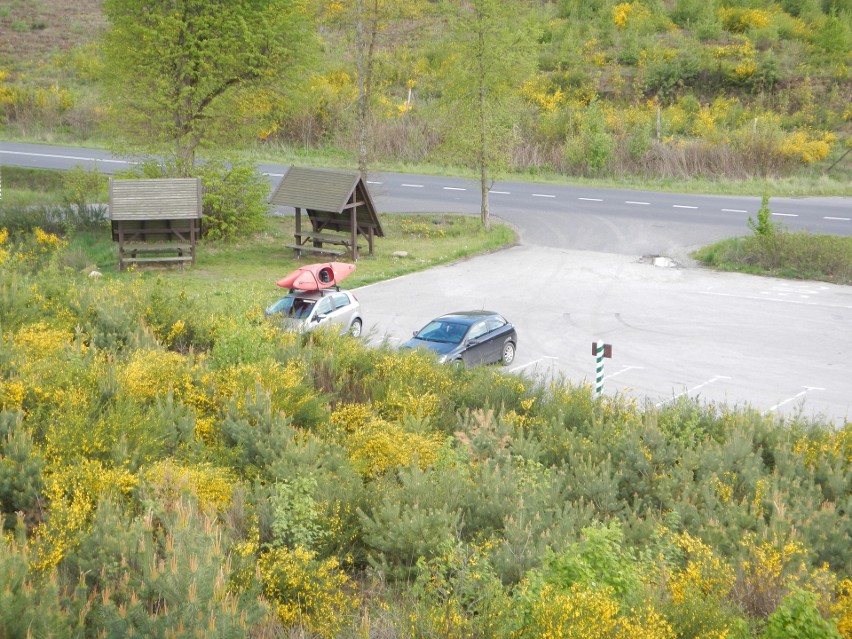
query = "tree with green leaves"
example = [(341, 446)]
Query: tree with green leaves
[(181, 72), (493, 46)]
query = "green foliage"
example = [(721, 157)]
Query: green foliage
[(234, 199), (175, 75), (764, 227), (795, 255), (85, 196), (797, 616), (21, 466)]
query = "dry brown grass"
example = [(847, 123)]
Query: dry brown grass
[(32, 30)]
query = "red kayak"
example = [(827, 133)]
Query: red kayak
[(316, 276)]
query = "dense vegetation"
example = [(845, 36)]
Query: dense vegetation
[(171, 464), (660, 88), (771, 250)]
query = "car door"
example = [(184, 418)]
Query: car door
[(322, 312), (493, 338), (342, 309), (476, 346)]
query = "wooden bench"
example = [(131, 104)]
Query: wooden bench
[(321, 250), (318, 239), (144, 252)]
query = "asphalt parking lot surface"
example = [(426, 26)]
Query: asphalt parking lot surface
[(778, 346)]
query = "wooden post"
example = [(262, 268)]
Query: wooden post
[(353, 222)]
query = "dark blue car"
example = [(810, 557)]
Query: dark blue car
[(471, 337)]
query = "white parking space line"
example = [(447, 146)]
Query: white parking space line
[(453, 188), (643, 203), (500, 192), (692, 390), (542, 195), (735, 211), (623, 370), (807, 390), (683, 206), (839, 219), (532, 363), (590, 199), (786, 214), (413, 186)]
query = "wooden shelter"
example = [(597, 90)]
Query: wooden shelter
[(339, 209), (155, 220)]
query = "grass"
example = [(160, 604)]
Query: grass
[(245, 271), (803, 256)]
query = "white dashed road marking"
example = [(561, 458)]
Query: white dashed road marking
[(683, 206), (839, 219), (590, 199), (632, 202), (734, 211), (453, 188), (370, 182), (414, 186), (542, 195), (786, 214), (500, 192)]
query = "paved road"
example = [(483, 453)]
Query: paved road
[(588, 218), (582, 274)]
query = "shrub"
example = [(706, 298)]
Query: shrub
[(797, 616), (306, 593)]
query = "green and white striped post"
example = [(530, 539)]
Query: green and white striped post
[(599, 355)]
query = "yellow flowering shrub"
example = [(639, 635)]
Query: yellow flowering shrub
[(543, 94), (584, 613), (150, 374), (806, 147), (842, 608), (40, 341), (704, 572), (284, 383), (412, 384), (4, 237), (769, 569), (378, 446), (212, 486), (740, 19), (306, 592), (48, 241), (73, 491)]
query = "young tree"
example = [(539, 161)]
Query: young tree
[(493, 49), (178, 69), (375, 25)]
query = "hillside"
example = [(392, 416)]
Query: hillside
[(670, 89)]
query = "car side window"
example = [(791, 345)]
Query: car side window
[(493, 324), (479, 329), (340, 300), (324, 306)]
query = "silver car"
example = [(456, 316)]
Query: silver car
[(305, 311)]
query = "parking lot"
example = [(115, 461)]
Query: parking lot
[(780, 346)]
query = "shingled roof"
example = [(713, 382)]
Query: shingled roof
[(327, 191)]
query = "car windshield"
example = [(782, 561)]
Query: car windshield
[(297, 307), (442, 331)]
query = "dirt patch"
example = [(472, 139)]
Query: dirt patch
[(31, 31)]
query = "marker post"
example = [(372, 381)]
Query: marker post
[(600, 351)]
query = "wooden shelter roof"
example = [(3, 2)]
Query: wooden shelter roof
[(155, 199), (328, 191)]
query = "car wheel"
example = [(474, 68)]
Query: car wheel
[(508, 354), (355, 328)]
